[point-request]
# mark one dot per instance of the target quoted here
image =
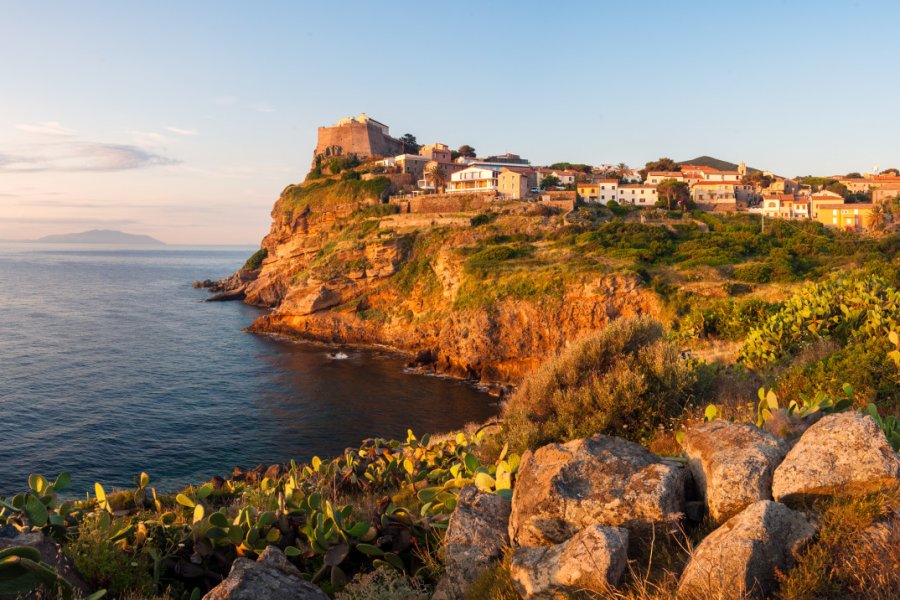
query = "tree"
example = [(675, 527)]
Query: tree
[(673, 192), (466, 150), (853, 175), (437, 177), (549, 181), (621, 171), (567, 166), (663, 164), (891, 171), (838, 188), (410, 145)]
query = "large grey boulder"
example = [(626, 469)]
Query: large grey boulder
[(732, 464), (841, 455), (740, 558), (592, 560), (601, 480), (271, 576), (476, 536)]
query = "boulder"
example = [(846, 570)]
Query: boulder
[(306, 301), (271, 576), (601, 480), (732, 465), (475, 539), (591, 560), (740, 558), (842, 454)]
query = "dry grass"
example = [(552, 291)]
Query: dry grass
[(855, 555)]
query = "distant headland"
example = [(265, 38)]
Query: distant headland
[(100, 236)]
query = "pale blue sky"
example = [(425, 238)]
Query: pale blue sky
[(184, 120)]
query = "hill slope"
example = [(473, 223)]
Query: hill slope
[(101, 236), (715, 163)]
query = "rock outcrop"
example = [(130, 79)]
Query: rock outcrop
[(271, 576), (842, 454), (740, 558), (732, 464), (334, 276), (592, 560), (601, 480), (475, 539)]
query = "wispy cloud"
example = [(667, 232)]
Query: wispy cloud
[(46, 128), (181, 131), (80, 156), (263, 107)]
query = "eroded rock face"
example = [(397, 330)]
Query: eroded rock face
[(592, 560), (475, 539), (271, 576), (732, 464), (843, 454), (739, 558), (601, 480)]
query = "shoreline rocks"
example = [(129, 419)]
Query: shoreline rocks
[(732, 464), (601, 480), (740, 558), (841, 454)]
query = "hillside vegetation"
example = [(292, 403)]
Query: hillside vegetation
[(607, 325)]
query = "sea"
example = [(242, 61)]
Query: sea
[(111, 364)]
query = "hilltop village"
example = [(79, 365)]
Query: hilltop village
[(434, 173)]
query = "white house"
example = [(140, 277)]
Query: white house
[(637, 194), (609, 190), (473, 179)]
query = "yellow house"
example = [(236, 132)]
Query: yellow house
[(857, 217), (515, 184), (588, 191)]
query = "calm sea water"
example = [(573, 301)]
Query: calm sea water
[(110, 364)]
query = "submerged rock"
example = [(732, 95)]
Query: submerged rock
[(843, 454), (592, 560), (601, 480), (732, 464), (475, 539), (271, 576), (740, 558)]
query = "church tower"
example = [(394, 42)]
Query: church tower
[(742, 169)]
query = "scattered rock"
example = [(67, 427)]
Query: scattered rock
[(217, 482), (601, 480), (51, 553), (592, 560), (843, 454), (274, 472), (732, 464), (475, 539), (271, 576), (739, 558), (227, 296)]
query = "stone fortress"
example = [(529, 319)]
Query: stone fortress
[(362, 136)]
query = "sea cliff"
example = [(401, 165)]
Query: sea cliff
[(485, 294)]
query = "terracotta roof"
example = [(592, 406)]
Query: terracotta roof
[(676, 173), (637, 185), (607, 181)]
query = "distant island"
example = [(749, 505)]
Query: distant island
[(101, 236)]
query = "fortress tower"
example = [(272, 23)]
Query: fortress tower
[(362, 136)]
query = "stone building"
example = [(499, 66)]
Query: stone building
[(361, 136)]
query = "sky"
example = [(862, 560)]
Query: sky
[(185, 120)]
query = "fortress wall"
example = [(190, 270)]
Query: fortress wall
[(355, 138)]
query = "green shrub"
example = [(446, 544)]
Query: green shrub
[(256, 260), (753, 273), (483, 219), (490, 258), (624, 380)]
